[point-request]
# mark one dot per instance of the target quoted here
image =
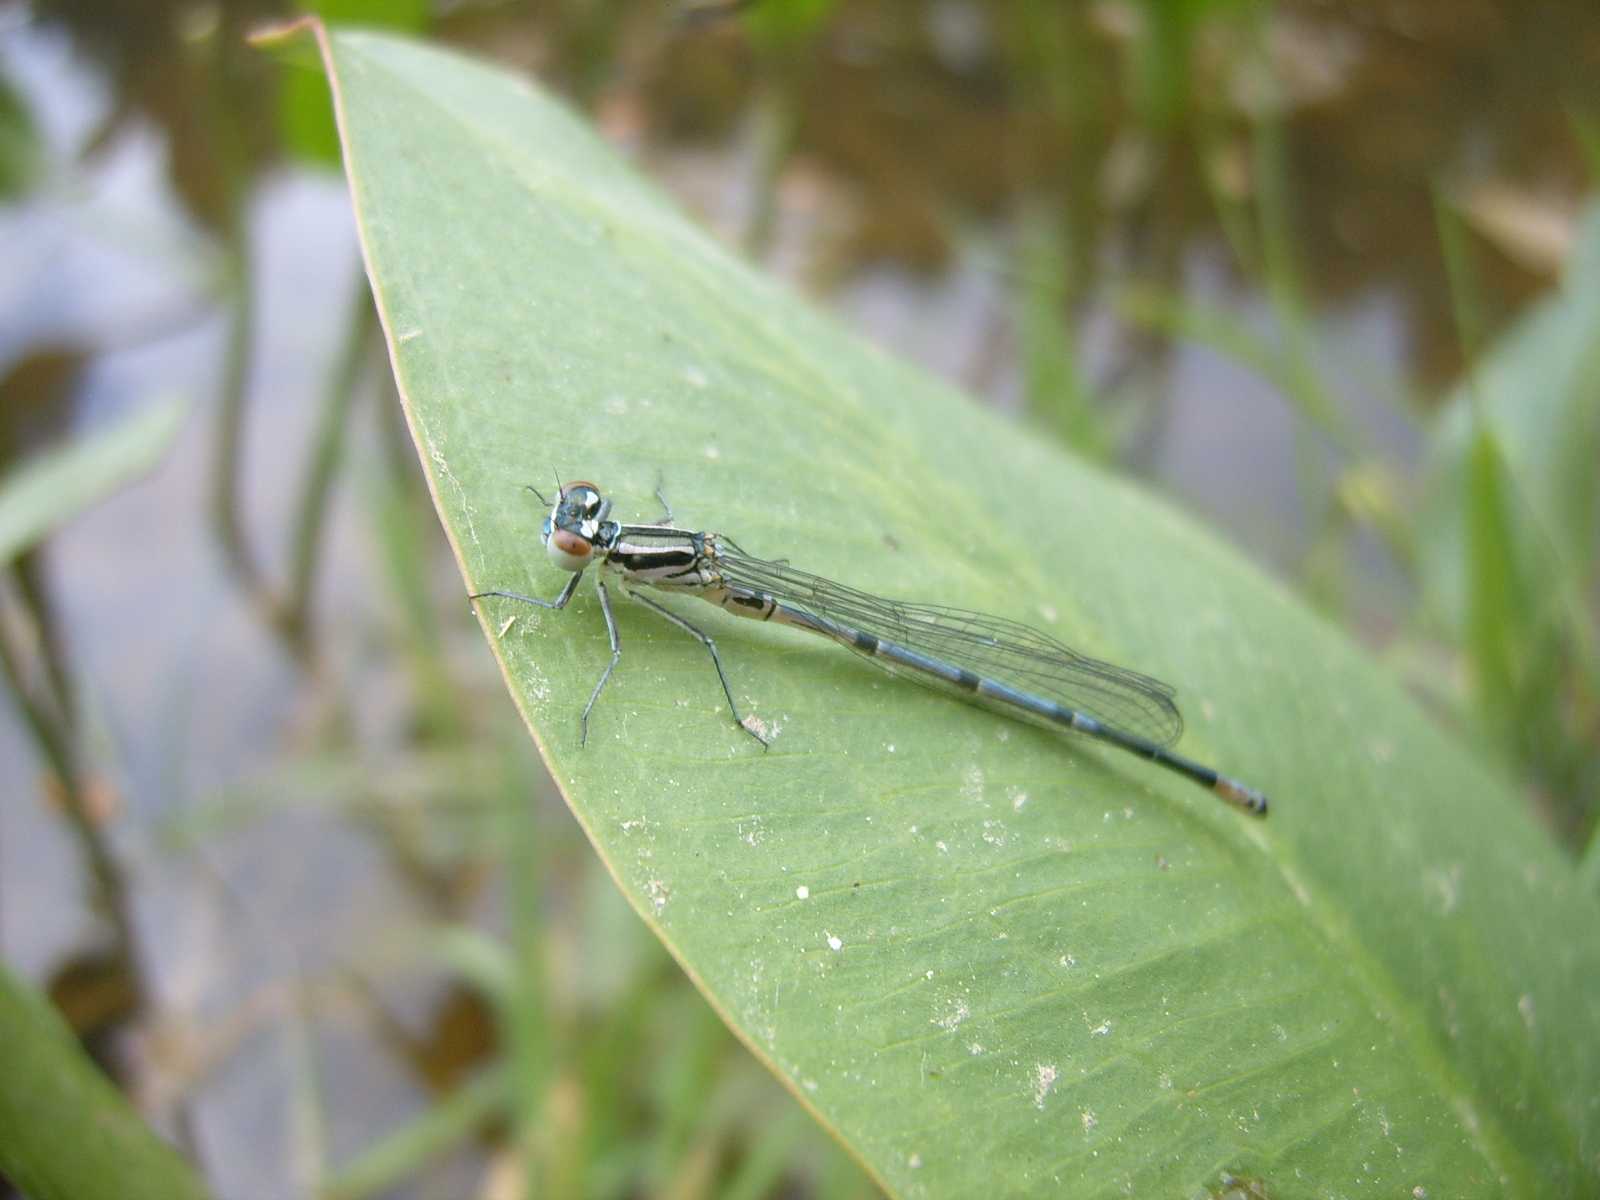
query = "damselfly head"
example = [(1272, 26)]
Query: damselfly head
[(576, 522)]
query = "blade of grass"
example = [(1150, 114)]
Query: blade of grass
[(309, 527), (66, 1133), (56, 486), (436, 1133)]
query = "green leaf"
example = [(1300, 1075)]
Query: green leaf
[(57, 485), (1508, 545), (1535, 390), (990, 959), (66, 1133)]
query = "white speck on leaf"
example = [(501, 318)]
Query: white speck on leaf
[(659, 894), (1445, 885), (957, 1013), (833, 942), (1044, 1078), (1089, 1120), (446, 475), (802, 892), (972, 785)]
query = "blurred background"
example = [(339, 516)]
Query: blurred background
[(271, 836)]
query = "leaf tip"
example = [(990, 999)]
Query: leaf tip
[(292, 40)]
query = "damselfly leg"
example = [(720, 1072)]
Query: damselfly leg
[(716, 659), (558, 603)]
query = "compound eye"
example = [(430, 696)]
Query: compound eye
[(582, 496), (568, 551)]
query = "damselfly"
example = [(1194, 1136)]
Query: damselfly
[(1010, 667)]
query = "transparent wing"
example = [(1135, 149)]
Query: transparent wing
[(1004, 651)]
